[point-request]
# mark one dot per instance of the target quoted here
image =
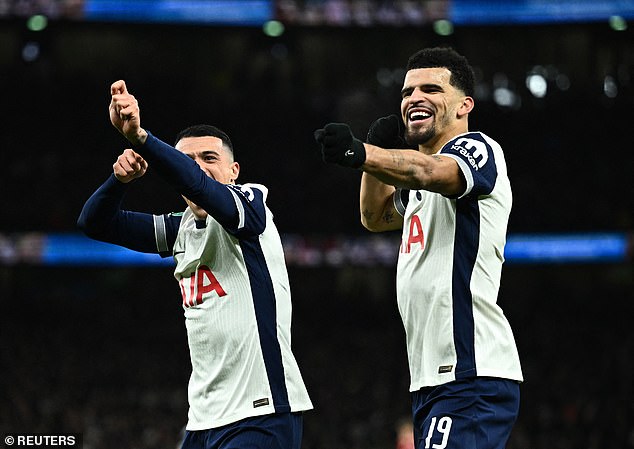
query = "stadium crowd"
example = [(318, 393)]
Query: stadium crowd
[(104, 354)]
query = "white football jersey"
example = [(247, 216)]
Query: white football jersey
[(448, 271), (237, 304)]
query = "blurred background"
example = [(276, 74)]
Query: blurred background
[(92, 338)]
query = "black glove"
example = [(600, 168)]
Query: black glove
[(388, 132), (339, 146)]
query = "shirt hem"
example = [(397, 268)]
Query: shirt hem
[(215, 423)]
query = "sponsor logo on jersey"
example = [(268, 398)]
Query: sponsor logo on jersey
[(198, 287), (415, 238), (474, 151)]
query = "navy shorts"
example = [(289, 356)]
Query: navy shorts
[(277, 431), (476, 413)]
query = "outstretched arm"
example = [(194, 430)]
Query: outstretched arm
[(103, 219), (405, 168), (414, 170)]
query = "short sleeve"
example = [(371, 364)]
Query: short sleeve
[(250, 201), (476, 160), (401, 198)]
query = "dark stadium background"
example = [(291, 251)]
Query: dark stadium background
[(102, 351)]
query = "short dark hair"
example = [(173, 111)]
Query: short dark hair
[(205, 130), (462, 76)]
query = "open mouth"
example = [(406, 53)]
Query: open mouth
[(418, 115)]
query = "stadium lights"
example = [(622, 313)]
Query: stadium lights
[(537, 85), (37, 22), (273, 28), (610, 89), (617, 23), (503, 94), (538, 78), (443, 27), (31, 51)]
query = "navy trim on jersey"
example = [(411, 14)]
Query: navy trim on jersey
[(401, 199), (266, 317), (479, 159), (249, 202), (467, 235)]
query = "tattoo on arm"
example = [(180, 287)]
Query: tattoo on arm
[(368, 214), (388, 216), (430, 168), (403, 164), (398, 158)]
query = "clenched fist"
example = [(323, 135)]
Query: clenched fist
[(129, 165), (339, 146)]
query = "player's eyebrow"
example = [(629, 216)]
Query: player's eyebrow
[(203, 153), (426, 86)]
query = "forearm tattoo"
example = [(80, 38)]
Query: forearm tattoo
[(430, 168), (402, 164)]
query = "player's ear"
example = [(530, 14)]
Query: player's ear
[(235, 171), (466, 107)]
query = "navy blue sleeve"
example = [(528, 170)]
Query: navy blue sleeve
[(250, 203), (103, 219), (225, 203), (476, 160)]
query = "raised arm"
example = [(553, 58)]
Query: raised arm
[(176, 168)]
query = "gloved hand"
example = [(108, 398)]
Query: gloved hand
[(339, 146), (388, 132)]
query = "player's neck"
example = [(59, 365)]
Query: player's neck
[(434, 145)]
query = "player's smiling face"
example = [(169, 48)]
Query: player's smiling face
[(429, 104)]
